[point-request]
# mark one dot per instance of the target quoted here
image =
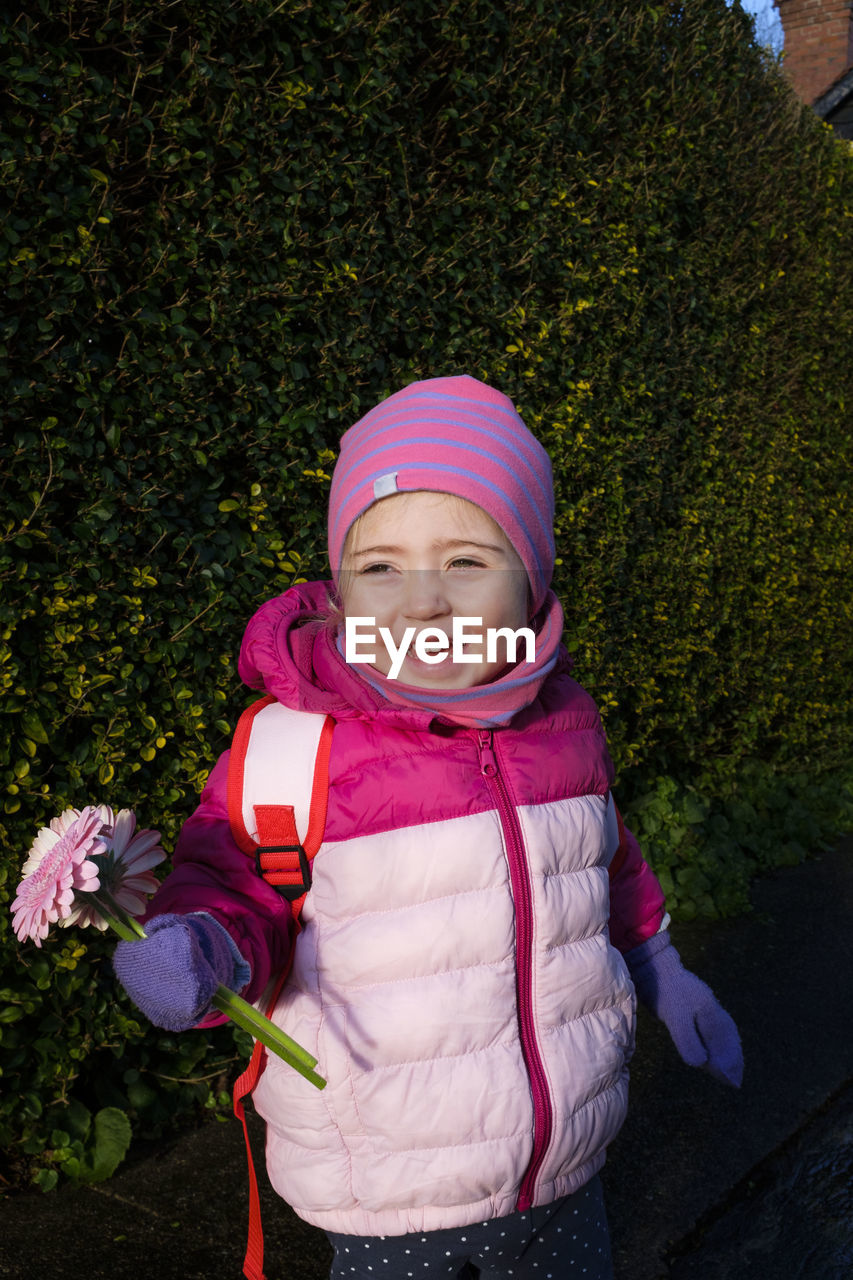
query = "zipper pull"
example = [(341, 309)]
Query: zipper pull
[(488, 762)]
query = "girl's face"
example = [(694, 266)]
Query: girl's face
[(419, 560)]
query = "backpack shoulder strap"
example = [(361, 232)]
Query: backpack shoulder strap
[(279, 754)]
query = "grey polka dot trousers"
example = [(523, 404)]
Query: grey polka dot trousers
[(566, 1239)]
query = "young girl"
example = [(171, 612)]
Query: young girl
[(479, 917)]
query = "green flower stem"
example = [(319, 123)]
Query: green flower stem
[(119, 920), (225, 1000), (247, 1017)]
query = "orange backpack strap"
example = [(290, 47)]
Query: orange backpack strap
[(276, 751)]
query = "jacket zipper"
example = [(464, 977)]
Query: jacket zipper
[(523, 898)]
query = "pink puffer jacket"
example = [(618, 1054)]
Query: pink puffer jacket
[(459, 975)]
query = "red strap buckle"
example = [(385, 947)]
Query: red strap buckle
[(290, 890)]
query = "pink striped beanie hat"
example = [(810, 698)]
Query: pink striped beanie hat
[(450, 435)]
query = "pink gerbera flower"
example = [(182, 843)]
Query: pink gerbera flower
[(91, 866), (59, 864), (124, 867)]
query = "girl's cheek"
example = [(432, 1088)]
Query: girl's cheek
[(372, 594)]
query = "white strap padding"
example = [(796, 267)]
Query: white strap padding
[(611, 825), (280, 761)]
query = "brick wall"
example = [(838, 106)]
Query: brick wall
[(818, 43)]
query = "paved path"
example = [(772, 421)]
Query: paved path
[(792, 1217), (702, 1182)]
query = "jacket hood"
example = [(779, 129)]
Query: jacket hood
[(290, 650)]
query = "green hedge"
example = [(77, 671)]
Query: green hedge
[(231, 229)]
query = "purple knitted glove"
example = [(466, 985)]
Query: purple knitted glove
[(702, 1031), (172, 974)]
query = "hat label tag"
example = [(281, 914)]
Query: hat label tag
[(385, 485)]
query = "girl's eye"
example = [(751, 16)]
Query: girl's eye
[(466, 562), (375, 568)]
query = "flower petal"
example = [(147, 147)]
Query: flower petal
[(107, 816), (145, 883), (122, 833), (133, 903), (39, 849), (66, 819), (136, 860)]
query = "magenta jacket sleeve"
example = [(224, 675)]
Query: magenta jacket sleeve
[(211, 873), (636, 898)]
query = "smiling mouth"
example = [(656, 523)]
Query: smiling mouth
[(434, 648), (440, 651)]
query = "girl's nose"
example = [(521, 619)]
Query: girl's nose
[(425, 595)]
